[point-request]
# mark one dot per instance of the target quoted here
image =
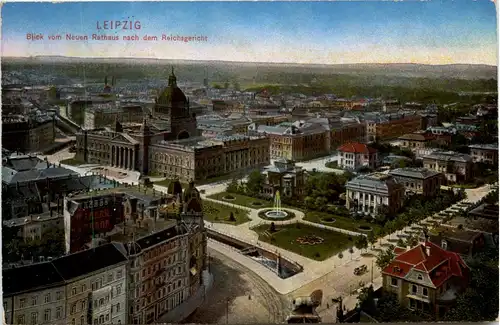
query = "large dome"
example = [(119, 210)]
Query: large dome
[(172, 93)]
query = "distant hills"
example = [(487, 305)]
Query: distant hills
[(455, 71)]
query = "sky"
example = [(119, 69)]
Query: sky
[(429, 32)]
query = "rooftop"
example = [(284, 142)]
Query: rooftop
[(490, 146), (88, 261), (66, 268), (485, 210), (375, 181), (356, 147), (414, 172), (454, 233), (449, 156), (27, 278), (428, 258)]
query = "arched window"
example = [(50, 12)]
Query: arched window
[(444, 244)]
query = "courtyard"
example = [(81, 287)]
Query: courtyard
[(343, 222), (308, 241)]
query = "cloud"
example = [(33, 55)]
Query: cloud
[(265, 51)]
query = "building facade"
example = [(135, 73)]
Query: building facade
[(347, 132), (28, 133), (296, 141), (89, 216), (166, 268), (421, 181), (63, 290), (355, 155), (374, 194), (33, 227), (287, 178), (456, 167), (169, 144), (426, 278), (392, 126), (485, 153), (102, 115)]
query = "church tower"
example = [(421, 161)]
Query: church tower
[(173, 105)]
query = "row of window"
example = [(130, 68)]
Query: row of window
[(414, 289), (34, 299), (97, 284), (47, 316)]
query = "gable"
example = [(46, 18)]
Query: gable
[(419, 277)]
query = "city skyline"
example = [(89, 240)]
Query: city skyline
[(303, 32)]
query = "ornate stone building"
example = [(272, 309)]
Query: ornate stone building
[(30, 132), (169, 144)]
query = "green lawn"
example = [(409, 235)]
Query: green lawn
[(72, 162), (340, 221), (243, 200), (220, 213), (286, 237), (332, 164), (246, 201)]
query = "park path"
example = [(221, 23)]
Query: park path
[(334, 273)]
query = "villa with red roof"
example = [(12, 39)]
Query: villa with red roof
[(354, 155), (426, 277)]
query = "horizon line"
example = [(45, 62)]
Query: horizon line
[(230, 61)]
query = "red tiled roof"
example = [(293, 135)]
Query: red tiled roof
[(356, 147), (440, 264), (399, 250)]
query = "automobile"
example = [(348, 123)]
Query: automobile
[(360, 270)]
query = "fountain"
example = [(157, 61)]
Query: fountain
[(276, 212)]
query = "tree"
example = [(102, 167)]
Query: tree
[(231, 217), (273, 227), (236, 85), (233, 187), (366, 300), (254, 182), (309, 202), (321, 203), (361, 242), (390, 226), (341, 255), (384, 258), (479, 302), (371, 238), (226, 85)]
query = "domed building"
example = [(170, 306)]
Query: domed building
[(171, 104), (168, 144)]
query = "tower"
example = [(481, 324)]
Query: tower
[(172, 104)]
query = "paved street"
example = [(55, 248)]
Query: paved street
[(334, 276), (229, 298)]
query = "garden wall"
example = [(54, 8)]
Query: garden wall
[(241, 245)]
